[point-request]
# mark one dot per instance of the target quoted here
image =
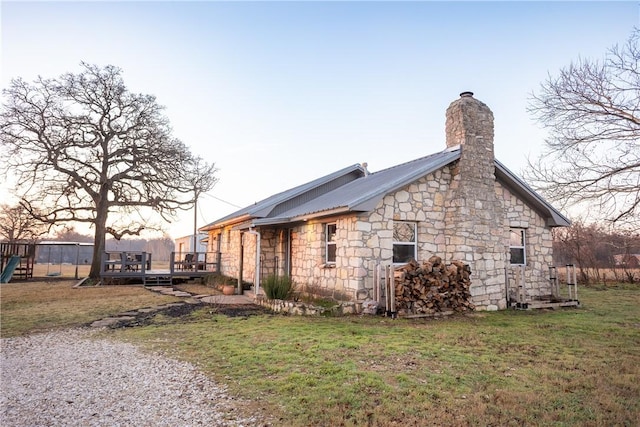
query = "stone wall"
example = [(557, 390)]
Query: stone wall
[(230, 243), (309, 268), (425, 202), (538, 242), (306, 309)]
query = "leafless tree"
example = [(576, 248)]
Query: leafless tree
[(598, 251), (592, 157), (87, 150), (17, 224)]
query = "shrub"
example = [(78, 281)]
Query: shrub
[(278, 287)]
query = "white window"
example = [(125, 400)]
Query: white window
[(404, 242), (517, 246), (330, 234)]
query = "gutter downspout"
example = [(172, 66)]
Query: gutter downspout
[(257, 279)]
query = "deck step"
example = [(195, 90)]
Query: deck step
[(159, 280)]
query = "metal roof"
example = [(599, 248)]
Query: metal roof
[(364, 193), (353, 190), (264, 207)]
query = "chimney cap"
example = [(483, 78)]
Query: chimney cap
[(467, 94)]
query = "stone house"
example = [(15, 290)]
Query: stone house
[(461, 203)]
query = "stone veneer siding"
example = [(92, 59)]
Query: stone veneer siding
[(230, 249), (538, 242), (366, 240), (308, 261)]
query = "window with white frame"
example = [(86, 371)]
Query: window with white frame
[(517, 246), (404, 242), (330, 234)]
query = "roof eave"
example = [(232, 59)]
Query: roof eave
[(554, 217), (301, 218), (222, 224)]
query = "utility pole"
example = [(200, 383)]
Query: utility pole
[(195, 227)]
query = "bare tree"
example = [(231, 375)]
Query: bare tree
[(17, 224), (592, 111), (90, 151), (70, 234), (578, 243)]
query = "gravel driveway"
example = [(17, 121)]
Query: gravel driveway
[(68, 378)]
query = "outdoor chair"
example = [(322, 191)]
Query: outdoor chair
[(188, 262)]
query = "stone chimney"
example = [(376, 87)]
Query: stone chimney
[(470, 125), (474, 216)]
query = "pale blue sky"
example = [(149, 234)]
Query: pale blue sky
[(280, 93)]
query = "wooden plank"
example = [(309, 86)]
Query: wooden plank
[(534, 304)]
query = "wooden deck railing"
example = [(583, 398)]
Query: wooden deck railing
[(138, 265), (129, 264), (182, 263)]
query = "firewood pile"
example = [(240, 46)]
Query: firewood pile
[(432, 287)]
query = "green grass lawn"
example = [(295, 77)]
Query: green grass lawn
[(564, 367)]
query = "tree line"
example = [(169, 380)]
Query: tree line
[(600, 254)]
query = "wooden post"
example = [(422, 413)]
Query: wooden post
[(522, 295), (391, 291), (506, 285), (553, 279), (241, 264), (572, 282), (379, 283), (575, 282), (387, 290), (374, 290), (377, 292)]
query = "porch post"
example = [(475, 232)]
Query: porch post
[(241, 263)]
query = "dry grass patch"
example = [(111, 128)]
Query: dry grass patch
[(36, 306), (198, 289), (62, 271)]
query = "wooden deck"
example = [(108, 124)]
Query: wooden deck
[(134, 266)]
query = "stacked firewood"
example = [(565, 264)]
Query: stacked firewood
[(432, 287)]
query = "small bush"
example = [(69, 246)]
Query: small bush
[(278, 287)]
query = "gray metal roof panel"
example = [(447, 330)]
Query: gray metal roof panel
[(262, 208), (373, 186), (363, 193)]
